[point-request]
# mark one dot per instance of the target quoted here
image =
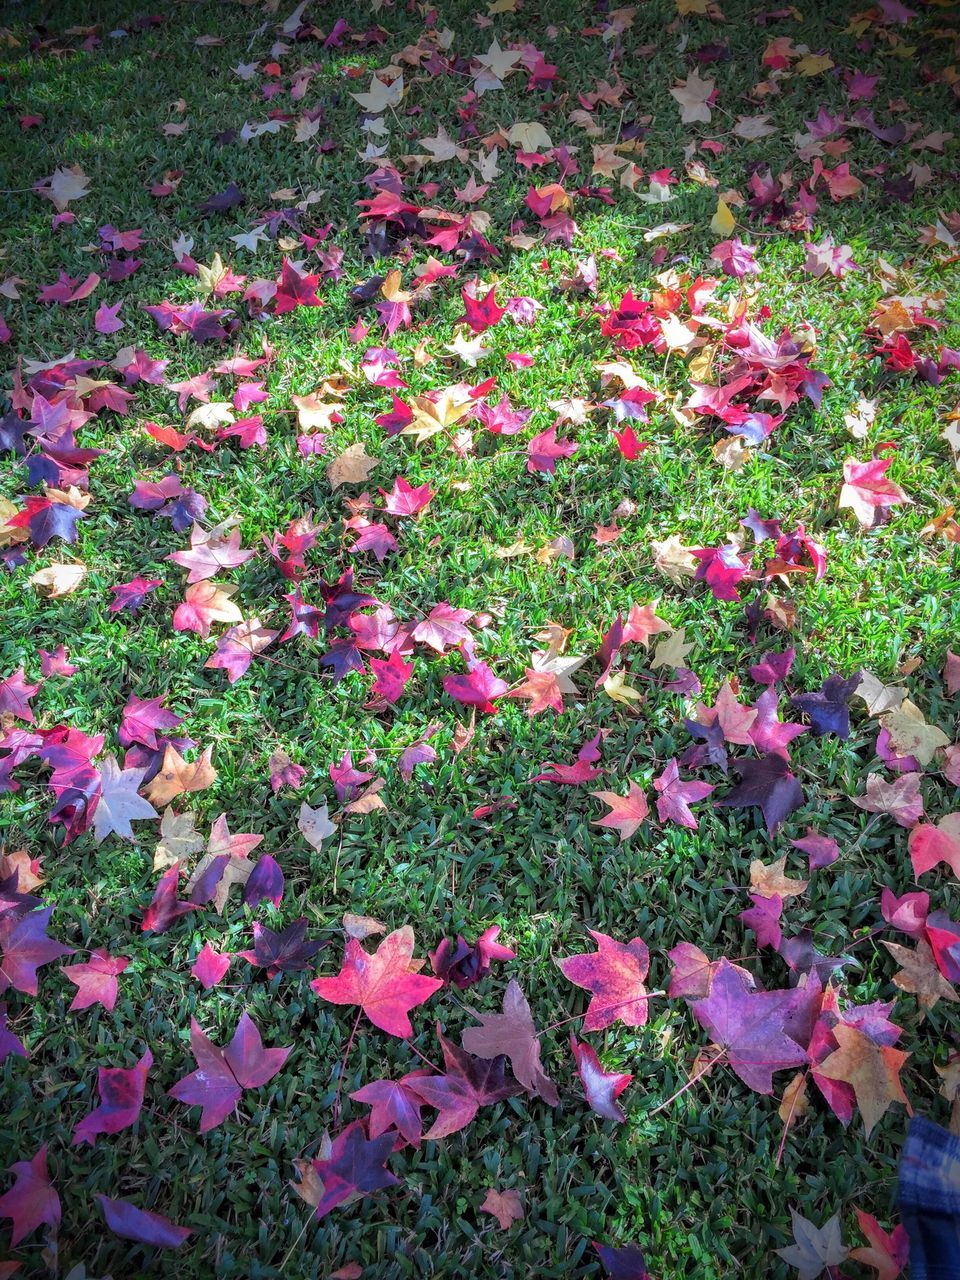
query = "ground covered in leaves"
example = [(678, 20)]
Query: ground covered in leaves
[(478, 719)]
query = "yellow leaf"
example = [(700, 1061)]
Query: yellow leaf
[(723, 221), (814, 64), (615, 686)]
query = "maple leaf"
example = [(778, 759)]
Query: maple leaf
[(769, 784), (626, 1263), (828, 708), (443, 627), (295, 290), (96, 981), (614, 974), (931, 844), (205, 603), (223, 1074), (121, 1100), (164, 908), (911, 736), (469, 1083), (351, 467), (749, 1025), (384, 984), (477, 688), (131, 595), (141, 718), (721, 568), (355, 1167), (505, 1206), (601, 1087), (868, 492), (394, 1105), (541, 689), (130, 1223), (314, 824), (544, 449), (872, 1070), (25, 947), (405, 500), (177, 776), (463, 964), (822, 851), (288, 951), (816, 1248), (675, 797), (179, 839), (919, 974), (900, 798), (513, 1034), (32, 1199), (119, 803), (210, 551), (210, 966), (772, 881), (238, 646), (763, 918), (693, 95), (214, 876), (15, 695), (887, 1253), (391, 675), (481, 313), (66, 184), (627, 813)]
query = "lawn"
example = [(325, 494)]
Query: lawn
[(653, 306)]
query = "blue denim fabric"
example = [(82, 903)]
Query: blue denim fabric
[(929, 1198)]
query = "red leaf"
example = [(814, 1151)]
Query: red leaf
[(121, 1100), (164, 908), (750, 1026), (210, 966), (32, 1199), (477, 688), (383, 984), (601, 1087), (96, 981), (223, 1074), (614, 974), (355, 1167)]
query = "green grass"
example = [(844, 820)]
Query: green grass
[(697, 1184)]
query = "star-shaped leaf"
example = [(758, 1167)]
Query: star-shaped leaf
[(872, 1071), (614, 974), (385, 984), (513, 1034), (223, 1074), (749, 1025)]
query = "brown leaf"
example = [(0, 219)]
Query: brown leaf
[(919, 974), (772, 881), (505, 1206), (369, 800), (352, 467), (177, 776), (513, 1033), (361, 927), (872, 1071)]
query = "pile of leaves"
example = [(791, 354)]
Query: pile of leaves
[(456, 467)]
